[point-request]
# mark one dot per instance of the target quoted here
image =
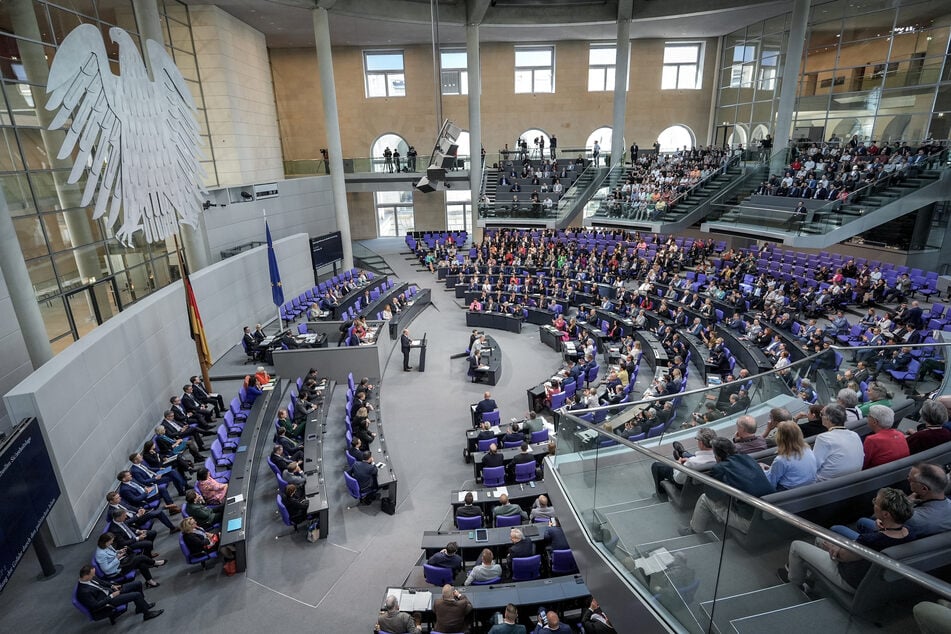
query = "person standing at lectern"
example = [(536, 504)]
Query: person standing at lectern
[(405, 344)]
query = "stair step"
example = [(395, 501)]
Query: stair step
[(820, 616), (740, 606)]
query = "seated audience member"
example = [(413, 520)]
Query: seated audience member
[(102, 598), (849, 399), (736, 470), (520, 547), (115, 563), (884, 444), (205, 514), (524, 455), (795, 462), (841, 567), (506, 509), (213, 491), (509, 624), (295, 502), (394, 621), (205, 397), (294, 475), (541, 509), (292, 449), (198, 540), (262, 376), (139, 494), (139, 515), (485, 431), (702, 459), (513, 435), (292, 428), (468, 509), (594, 620), (486, 570), (280, 461), (195, 408), (199, 419), (451, 610), (448, 557), (928, 483), (487, 404), (745, 439), (776, 416), (555, 537), (365, 473), (877, 395), (813, 418), (145, 476), (139, 541), (931, 432), (151, 456), (554, 625), (838, 451), (493, 458)]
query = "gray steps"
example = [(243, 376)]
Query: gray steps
[(756, 603), (819, 616)]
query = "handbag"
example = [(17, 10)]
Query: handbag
[(313, 531)]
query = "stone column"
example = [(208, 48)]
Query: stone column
[(475, 123), (621, 72), (792, 68), (332, 124)]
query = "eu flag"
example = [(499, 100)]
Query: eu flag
[(277, 291)]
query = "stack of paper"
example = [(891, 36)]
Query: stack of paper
[(656, 562)]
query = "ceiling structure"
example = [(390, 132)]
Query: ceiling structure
[(288, 23)]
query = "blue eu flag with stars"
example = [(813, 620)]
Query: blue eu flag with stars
[(277, 291)]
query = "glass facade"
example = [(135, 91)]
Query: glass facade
[(80, 274)]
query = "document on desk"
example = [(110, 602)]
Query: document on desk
[(397, 593), (421, 601), (417, 342), (483, 367), (656, 562), (462, 495), (500, 491)]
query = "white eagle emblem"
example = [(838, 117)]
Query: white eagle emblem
[(137, 138)]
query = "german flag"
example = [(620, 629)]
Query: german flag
[(196, 328)]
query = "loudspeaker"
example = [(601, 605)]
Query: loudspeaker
[(436, 173), (452, 131), (445, 161), (424, 185), (448, 147)]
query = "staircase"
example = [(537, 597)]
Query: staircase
[(833, 222)]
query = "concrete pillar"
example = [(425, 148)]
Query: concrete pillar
[(475, 123), (792, 67), (332, 124), (194, 240), (17, 278), (621, 72)]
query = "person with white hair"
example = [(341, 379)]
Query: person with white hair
[(884, 444), (394, 621)]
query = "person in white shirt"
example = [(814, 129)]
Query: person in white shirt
[(702, 459), (838, 451)]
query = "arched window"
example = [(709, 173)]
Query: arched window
[(675, 138), (531, 136), (738, 136), (392, 141), (759, 133), (603, 136)]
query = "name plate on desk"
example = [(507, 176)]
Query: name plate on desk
[(235, 524)]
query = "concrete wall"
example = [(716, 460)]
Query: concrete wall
[(571, 112), (362, 215), (303, 205), (239, 97), (16, 364), (99, 399)]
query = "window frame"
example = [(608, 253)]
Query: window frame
[(698, 64), (533, 69), (462, 72), (385, 74), (612, 67)]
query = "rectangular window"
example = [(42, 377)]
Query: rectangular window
[(534, 69), (394, 213), (741, 71), (455, 77), (601, 65), (768, 69), (458, 209), (384, 73), (683, 66)]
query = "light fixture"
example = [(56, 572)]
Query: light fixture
[(247, 195)]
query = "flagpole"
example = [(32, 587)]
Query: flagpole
[(280, 322), (206, 380)]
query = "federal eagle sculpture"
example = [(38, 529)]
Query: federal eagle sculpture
[(135, 137)]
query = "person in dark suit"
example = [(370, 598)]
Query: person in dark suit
[(126, 537), (137, 515), (493, 458), (248, 341), (487, 404), (295, 503), (280, 460), (292, 449), (136, 493), (205, 397), (405, 346), (594, 620), (555, 537), (486, 432), (365, 473), (145, 476), (193, 408), (102, 598), (184, 418), (520, 547)]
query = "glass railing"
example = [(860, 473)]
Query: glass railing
[(362, 165), (547, 208), (707, 557), (837, 213), (603, 205)]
